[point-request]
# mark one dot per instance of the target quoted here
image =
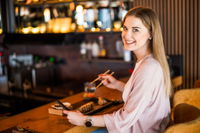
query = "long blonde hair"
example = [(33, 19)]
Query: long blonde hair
[(151, 22)]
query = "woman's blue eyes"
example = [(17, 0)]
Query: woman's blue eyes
[(133, 30)]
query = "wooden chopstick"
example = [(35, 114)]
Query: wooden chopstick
[(99, 77), (102, 82)]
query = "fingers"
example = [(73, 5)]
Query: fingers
[(72, 113), (105, 79), (68, 114), (75, 117), (65, 113), (105, 76), (105, 82)]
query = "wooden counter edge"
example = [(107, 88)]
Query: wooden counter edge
[(38, 118)]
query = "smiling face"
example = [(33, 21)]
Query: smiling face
[(135, 35)]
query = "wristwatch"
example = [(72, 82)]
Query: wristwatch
[(88, 121)]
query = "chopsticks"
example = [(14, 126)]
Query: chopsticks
[(99, 77), (106, 72), (102, 82)]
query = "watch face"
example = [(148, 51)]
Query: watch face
[(88, 124)]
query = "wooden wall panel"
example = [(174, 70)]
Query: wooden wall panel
[(180, 21)]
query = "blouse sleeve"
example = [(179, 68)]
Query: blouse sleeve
[(138, 99)]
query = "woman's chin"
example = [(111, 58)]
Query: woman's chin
[(130, 48)]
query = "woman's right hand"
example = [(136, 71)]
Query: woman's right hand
[(111, 82)]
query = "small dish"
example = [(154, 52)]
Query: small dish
[(58, 107)]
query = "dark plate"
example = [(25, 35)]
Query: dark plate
[(96, 108)]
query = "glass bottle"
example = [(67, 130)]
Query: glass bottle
[(95, 49), (116, 21), (83, 50), (79, 16), (104, 16), (102, 51), (89, 16)]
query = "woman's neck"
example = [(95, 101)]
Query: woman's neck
[(142, 53)]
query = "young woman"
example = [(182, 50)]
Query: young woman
[(146, 94)]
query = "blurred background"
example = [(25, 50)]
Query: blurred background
[(50, 48)]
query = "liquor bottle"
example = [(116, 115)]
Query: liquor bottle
[(119, 48), (104, 15), (3, 68), (89, 50), (102, 51), (3, 74), (127, 55), (95, 49), (83, 50), (123, 10), (116, 21), (89, 16), (79, 17)]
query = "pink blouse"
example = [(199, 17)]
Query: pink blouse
[(146, 106)]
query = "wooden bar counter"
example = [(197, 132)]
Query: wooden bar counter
[(40, 120)]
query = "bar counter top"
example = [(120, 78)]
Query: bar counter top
[(38, 119)]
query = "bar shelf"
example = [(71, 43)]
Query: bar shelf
[(65, 16)]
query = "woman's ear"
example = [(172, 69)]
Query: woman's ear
[(150, 37)]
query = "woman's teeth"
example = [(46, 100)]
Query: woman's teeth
[(132, 42)]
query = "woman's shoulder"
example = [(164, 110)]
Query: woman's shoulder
[(150, 63), (149, 66)]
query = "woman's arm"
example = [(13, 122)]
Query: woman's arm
[(79, 119)]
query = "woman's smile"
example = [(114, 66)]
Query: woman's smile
[(130, 42)]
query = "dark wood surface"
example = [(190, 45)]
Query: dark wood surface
[(40, 120)]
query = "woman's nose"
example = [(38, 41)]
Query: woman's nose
[(127, 35)]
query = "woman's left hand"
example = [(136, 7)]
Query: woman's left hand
[(75, 117)]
